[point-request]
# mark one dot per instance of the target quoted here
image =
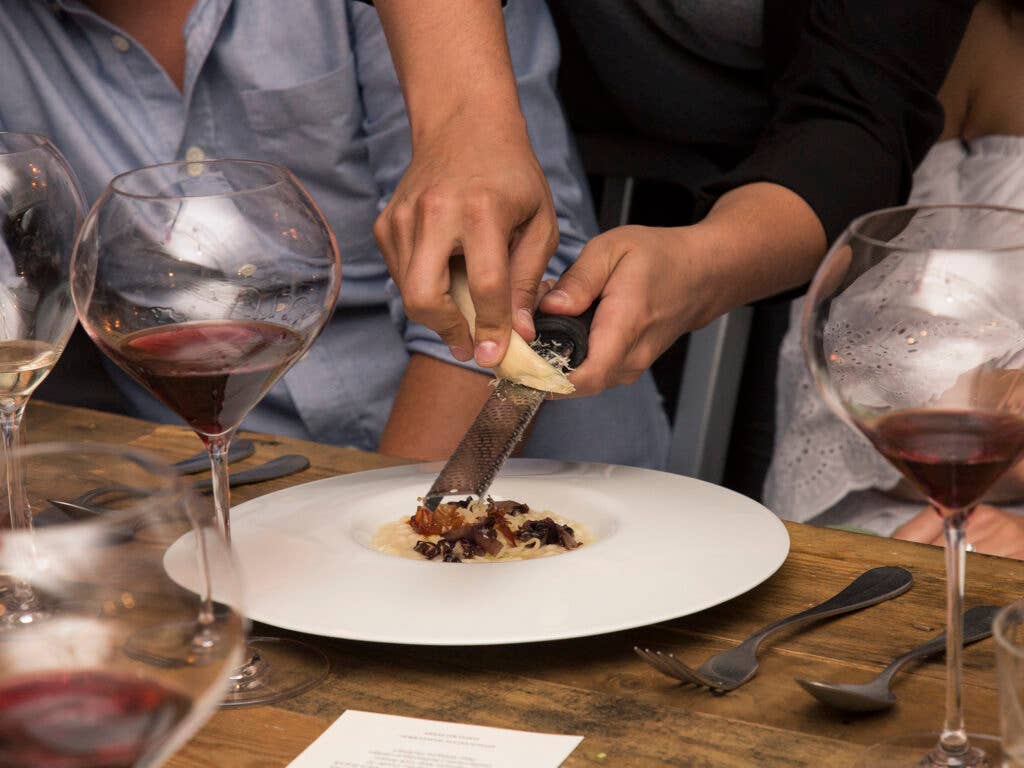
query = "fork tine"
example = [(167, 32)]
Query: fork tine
[(672, 666), (657, 660), (679, 669), (111, 491), (652, 659)]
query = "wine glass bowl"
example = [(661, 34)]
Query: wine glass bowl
[(913, 330), (205, 282), (40, 212), (41, 209), (79, 687), (917, 341)]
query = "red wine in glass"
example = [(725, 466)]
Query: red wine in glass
[(953, 456), (208, 372), (85, 719)]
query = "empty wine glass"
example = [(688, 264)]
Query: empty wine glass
[(1008, 631), (205, 281), (41, 209), (913, 329), (87, 686)]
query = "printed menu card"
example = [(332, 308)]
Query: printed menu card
[(368, 740)]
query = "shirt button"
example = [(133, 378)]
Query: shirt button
[(195, 155), (120, 43)]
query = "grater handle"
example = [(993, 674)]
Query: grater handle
[(566, 329)]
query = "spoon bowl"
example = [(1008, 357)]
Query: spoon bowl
[(865, 697)]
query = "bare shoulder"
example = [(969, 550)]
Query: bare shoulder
[(984, 91)]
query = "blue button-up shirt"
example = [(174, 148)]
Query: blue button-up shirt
[(305, 83)]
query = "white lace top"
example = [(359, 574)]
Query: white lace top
[(822, 469)]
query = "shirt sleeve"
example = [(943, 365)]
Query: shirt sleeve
[(534, 47), (856, 109)]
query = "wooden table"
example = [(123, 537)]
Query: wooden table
[(629, 714)]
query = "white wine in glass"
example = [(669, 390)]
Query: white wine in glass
[(24, 363)]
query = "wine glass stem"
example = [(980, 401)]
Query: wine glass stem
[(217, 447), (953, 740), (206, 637), (10, 425), (11, 414)]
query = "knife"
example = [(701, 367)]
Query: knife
[(507, 413), (239, 449)]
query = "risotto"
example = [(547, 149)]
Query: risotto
[(480, 531)]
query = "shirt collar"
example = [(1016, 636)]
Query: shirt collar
[(62, 6)]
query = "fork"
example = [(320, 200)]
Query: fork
[(731, 669)]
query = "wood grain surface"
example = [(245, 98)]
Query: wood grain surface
[(629, 714)]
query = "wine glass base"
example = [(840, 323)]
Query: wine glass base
[(22, 610), (275, 668), (176, 644), (920, 750), (23, 617)]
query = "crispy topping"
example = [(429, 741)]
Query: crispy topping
[(501, 526), (461, 539), (439, 522)]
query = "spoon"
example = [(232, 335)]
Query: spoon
[(877, 695)]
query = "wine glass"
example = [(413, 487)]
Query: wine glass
[(205, 281), (41, 209), (86, 687), (913, 329)]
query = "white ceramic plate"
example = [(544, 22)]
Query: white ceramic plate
[(665, 546)]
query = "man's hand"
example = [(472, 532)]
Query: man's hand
[(474, 184), (655, 284), (989, 530), (480, 191)]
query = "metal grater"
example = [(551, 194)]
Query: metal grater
[(494, 434)]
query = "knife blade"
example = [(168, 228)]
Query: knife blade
[(507, 413)]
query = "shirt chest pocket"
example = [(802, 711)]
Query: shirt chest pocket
[(311, 127)]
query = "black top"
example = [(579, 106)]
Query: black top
[(855, 107)]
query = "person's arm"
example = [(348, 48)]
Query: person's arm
[(436, 387), (655, 284), (856, 111), (474, 183), (856, 106), (435, 405)]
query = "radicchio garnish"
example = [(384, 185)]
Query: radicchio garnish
[(444, 548), (464, 540), (507, 507), (548, 532)]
